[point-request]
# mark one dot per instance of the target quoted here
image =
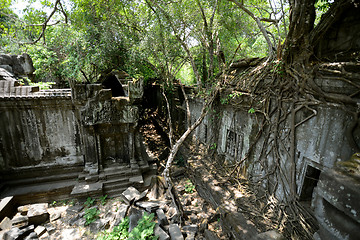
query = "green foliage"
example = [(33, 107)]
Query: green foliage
[(89, 202), (119, 232), (189, 187), (42, 85), (278, 68), (229, 97), (323, 5), (251, 110), (213, 146), (146, 40), (143, 231), (91, 214), (103, 200)]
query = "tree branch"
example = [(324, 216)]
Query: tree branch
[(271, 51)]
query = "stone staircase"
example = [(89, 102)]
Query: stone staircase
[(110, 181), (118, 178)]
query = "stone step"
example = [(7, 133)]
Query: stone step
[(116, 191), (58, 177), (116, 172), (84, 190), (114, 182), (39, 171), (116, 187), (40, 192)]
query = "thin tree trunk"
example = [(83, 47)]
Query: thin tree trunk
[(175, 148)]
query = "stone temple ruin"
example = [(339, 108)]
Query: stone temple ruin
[(85, 141), (61, 143)]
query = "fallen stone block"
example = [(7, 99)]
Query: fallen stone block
[(12, 234), (7, 207), (135, 216), (209, 235), (74, 209), (190, 236), (162, 219), (40, 230), (269, 235), (37, 213), (131, 193), (20, 221), (190, 231), (99, 225), (45, 236), (5, 224), (73, 220), (149, 206), (120, 214), (175, 232), (17, 233), (70, 234), (158, 231), (31, 236)]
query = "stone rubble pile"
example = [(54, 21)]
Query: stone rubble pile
[(44, 221)]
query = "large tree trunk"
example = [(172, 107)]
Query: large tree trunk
[(297, 49)]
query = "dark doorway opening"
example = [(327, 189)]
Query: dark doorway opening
[(112, 82), (311, 179)]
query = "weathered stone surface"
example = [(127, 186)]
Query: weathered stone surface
[(120, 214), (136, 179), (241, 227), (74, 209), (45, 236), (149, 206), (158, 231), (175, 232), (12, 234), (190, 228), (99, 225), (190, 231), (40, 230), (337, 205), (5, 224), (21, 64), (17, 233), (269, 235), (203, 225), (31, 236), (131, 193), (134, 216), (162, 219), (86, 189), (7, 206), (20, 221), (55, 216), (37, 213), (70, 234), (209, 235)]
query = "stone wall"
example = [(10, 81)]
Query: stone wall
[(320, 141), (38, 131)]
